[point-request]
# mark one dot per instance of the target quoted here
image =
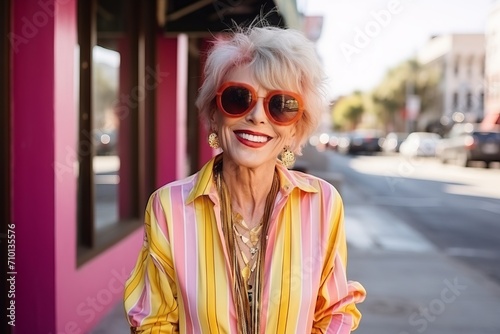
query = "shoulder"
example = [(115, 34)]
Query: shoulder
[(185, 191), (324, 185), (174, 191), (320, 195), (187, 182)]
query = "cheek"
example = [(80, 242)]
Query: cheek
[(220, 122), (288, 134)]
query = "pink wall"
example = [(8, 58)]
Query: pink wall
[(52, 294), (33, 177), (171, 109), (85, 294)]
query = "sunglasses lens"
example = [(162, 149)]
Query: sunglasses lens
[(236, 100), (283, 108)]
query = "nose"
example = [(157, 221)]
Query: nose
[(257, 114)]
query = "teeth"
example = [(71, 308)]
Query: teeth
[(256, 139)]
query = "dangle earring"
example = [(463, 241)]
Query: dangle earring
[(287, 157), (213, 140)]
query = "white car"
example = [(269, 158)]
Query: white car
[(420, 144)]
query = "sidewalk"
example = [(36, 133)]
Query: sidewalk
[(423, 293), (412, 288)]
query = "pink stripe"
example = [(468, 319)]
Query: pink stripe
[(178, 242), (340, 272), (160, 216), (191, 252), (142, 308), (310, 268), (271, 244)]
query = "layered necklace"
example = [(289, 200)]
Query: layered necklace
[(246, 249), (248, 245)]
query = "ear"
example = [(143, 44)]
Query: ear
[(212, 120), (293, 140), (293, 136)]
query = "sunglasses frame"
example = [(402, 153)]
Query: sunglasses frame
[(255, 97)]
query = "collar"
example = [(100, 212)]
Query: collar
[(289, 180)]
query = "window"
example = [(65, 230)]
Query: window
[(470, 66), (469, 101), (457, 65), (455, 101), (114, 114)]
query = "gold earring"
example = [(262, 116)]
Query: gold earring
[(287, 157), (213, 141)]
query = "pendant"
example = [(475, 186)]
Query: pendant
[(245, 273)]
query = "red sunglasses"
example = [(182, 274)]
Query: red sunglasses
[(236, 99)]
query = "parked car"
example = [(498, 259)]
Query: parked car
[(360, 141), (466, 143), (420, 144), (392, 141), (320, 141), (333, 142)]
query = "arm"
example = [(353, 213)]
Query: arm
[(335, 307), (150, 292)]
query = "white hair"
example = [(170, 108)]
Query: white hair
[(279, 59)]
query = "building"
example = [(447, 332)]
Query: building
[(96, 112), (459, 61), (492, 75)]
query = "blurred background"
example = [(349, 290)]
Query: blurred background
[(97, 111)]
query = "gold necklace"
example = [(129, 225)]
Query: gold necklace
[(247, 304), (249, 237)]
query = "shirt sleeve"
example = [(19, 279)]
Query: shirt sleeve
[(336, 311), (150, 297)]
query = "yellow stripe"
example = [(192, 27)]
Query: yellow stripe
[(222, 284), (285, 280), (212, 283), (296, 269), (210, 270)]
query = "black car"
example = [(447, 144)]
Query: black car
[(360, 142), (466, 143)]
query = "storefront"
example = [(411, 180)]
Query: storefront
[(97, 112)]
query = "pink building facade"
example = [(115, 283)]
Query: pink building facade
[(68, 270)]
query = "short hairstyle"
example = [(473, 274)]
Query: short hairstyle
[(279, 59)]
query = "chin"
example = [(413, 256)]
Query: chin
[(250, 161)]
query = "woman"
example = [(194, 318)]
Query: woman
[(246, 245)]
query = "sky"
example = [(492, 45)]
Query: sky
[(362, 39)]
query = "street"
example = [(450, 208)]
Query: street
[(457, 209), (418, 233)]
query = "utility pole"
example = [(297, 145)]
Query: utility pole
[(412, 101)]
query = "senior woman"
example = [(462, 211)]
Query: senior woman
[(246, 245)]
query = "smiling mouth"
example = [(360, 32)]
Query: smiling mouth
[(253, 138)]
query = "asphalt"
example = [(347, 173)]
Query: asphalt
[(411, 287)]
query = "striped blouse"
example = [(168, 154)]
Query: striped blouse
[(182, 280)]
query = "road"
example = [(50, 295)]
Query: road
[(453, 209)]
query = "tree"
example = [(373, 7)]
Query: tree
[(389, 97), (347, 112)]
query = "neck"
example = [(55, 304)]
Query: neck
[(248, 190)]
